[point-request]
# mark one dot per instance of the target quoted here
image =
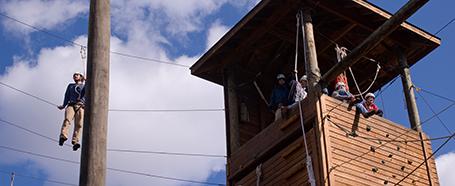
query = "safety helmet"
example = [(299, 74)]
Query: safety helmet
[(80, 73), (280, 76), (304, 77), (339, 84), (370, 95)]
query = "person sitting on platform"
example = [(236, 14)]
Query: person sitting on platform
[(367, 107), (279, 99), (298, 91), (342, 94)]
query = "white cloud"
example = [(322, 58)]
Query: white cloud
[(444, 165), (215, 32), (133, 85), (47, 14), (141, 28)]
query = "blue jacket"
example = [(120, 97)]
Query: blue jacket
[(280, 94), (74, 93)]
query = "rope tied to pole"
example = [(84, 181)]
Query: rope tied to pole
[(309, 164)]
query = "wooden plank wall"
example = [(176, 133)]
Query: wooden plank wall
[(392, 160), (285, 168)]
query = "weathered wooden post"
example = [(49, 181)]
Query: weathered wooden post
[(231, 104), (314, 75), (93, 156), (411, 104)]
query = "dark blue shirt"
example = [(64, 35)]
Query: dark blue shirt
[(280, 95), (74, 93)]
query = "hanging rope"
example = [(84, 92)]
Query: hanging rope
[(309, 164), (83, 57), (342, 53), (258, 174)]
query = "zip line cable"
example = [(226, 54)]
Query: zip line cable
[(28, 94), (37, 178), (432, 110), (116, 150), (436, 151), (117, 110), (80, 45), (444, 27), (109, 168)]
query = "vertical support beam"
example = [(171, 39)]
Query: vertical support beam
[(93, 156), (413, 112), (314, 75), (231, 105)]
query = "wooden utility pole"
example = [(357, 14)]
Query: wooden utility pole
[(411, 104), (93, 156), (314, 75), (374, 39)]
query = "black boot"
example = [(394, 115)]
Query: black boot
[(369, 114), (76, 146), (61, 141)]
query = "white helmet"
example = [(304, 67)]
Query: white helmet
[(280, 76), (370, 95), (339, 84), (80, 73), (304, 78)]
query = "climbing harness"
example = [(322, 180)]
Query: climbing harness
[(341, 53), (309, 164)]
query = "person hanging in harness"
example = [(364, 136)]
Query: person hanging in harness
[(367, 107), (341, 93), (298, 91), (280, 97), (74, 109)]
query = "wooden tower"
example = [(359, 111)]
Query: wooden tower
[(346, 149)]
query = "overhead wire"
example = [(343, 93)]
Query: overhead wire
[(432, 110), (110, 168), (116, 150), (117, 110), (56, 36), (37, 178), (432, 154)]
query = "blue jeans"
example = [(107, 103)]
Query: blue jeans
[(361, 108)]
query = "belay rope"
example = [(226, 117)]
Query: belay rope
[(83, 57), (309, 164), (341, 53)]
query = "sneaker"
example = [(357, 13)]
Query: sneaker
[(61, 141), (76, 146)]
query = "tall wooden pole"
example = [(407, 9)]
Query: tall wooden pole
[(408, 89), (93, 156), (374, 39), (413, 112), (314, 75)]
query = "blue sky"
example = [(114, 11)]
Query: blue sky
[(178, 31)]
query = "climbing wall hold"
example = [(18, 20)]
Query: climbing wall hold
[(390, 155), (375, 169), (386, 182), (368, 128), (402, 168), (382, 161), (398, 148), (409, 162), (372, 149)]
